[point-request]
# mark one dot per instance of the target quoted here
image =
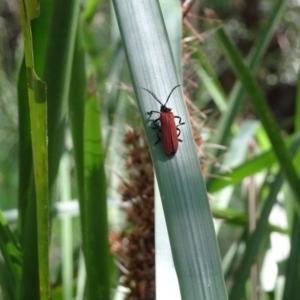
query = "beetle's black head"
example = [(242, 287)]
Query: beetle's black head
[(165, 109)]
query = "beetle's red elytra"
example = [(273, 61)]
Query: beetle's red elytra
[(166, 125)]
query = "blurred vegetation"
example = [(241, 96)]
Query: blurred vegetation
[(93, 122)]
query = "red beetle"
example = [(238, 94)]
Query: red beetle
[(167, 126)]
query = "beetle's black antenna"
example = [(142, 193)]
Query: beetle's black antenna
[(154, 96), (171, 93)]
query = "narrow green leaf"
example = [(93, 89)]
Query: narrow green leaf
[(297, 119), (250, 167), (292, 287), (57, 74), (95, 229), (27, 198), (188, 217), (76, 115), (29, 286), (239, 218), (166, 282), (297, 115), (89, 159), (210, 80), (38, 121)]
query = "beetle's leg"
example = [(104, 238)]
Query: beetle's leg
[(179, 134), (179, 122), (149, 113), (155, 123), (155, 126), (158, 137)]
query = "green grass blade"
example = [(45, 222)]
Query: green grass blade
[(29, 286), (262, 111), (291, 287), (188, 217), (76, 115), (57, 74), (297, 118), (250, 167), (27, 198), (210, 80), (166, 282), (239, 173), (91, 181), (38, 122), (25, 148), (95, 229), (239, 218)]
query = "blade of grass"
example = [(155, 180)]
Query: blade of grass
[(38, 121), (292, 269), (95, 229), (27, 199), (29, 286), (57, 74), (25, 149), (89, 159), (291, 287), (297, 118), (210, 80), (190, 227), (76, 115), (166, 282), (250, 167), (238, 218)]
